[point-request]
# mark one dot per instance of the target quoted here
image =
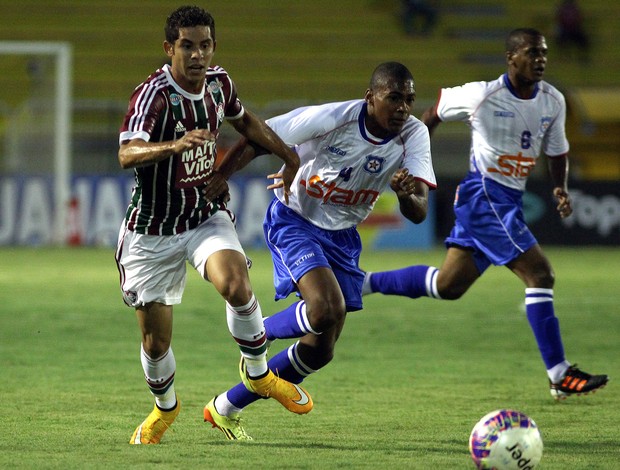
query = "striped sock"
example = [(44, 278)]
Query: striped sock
[(245, 324), (545, 325), (285, 364), (412, 281), (159, 376), (291, 322)]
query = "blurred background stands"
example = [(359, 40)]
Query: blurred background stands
[(283, 54)]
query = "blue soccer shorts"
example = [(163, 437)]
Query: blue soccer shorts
[(298, 246), (490, 221)]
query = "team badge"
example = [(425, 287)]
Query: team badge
[(545, 122), (220, 112), (130, 297), (374, 164)]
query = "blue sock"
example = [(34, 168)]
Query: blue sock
[(289, 366), (545, 325), (292, 322), (240, 396), (285, 364), (412, 281)]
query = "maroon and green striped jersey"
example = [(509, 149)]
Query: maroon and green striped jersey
[(167, 196)]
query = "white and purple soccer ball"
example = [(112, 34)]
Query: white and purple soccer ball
[(505, 440)]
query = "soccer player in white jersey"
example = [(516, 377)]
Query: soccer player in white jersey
[(168, 138), (513, 119), (350, 153)]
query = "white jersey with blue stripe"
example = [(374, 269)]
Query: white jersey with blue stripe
[(508, 133), (343, 168)]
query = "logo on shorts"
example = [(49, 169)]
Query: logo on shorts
[(304, 258), (130, 297)]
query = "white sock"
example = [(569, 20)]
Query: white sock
[(224, 407), (159, 374), (556, 373), (245, 324), (366, 288)]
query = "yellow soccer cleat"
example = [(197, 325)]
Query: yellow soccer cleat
[(229, 425), (293, 397), (155, 425)]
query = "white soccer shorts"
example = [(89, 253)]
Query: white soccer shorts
[(152, 267)]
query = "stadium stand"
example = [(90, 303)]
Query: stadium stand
[(282, 52)]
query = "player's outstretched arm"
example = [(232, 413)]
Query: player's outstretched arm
[(235, 158), (260, 133)]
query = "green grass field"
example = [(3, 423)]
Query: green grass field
[(409, 380)]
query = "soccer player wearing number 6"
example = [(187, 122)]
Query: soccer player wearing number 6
[(512, 119)]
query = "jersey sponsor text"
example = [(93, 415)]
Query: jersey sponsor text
[(517, 166), (332, 193)]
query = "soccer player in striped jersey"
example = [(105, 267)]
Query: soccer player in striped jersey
[(512, 119), (169, 137), (350, 153)]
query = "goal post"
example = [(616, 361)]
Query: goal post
[(62, 54)]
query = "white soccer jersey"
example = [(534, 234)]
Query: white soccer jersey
[(343, 168), (508, 133)]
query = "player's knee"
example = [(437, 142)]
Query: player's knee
[(235, 290), (155, 347), (452, 292), (326, 313), (543, 278)]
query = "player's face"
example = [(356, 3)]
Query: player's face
[(528, 63), (191, 55), (389, 107)]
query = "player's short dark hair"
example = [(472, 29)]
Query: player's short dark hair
[(187, 17), (390, 71), (516, 36)]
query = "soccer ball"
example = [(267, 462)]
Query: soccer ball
[(505, 440)]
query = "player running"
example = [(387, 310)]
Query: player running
[(350, 153), (512, 119), (168, 137)]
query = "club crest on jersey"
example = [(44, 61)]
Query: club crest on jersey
[(219, 110), (374, 164), (175, 99), (545, 122)]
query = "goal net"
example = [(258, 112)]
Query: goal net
[(35, 138)]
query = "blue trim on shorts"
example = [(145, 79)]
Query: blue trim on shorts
[(298, 246)]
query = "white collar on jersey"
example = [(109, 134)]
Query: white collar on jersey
[(192, 96)]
